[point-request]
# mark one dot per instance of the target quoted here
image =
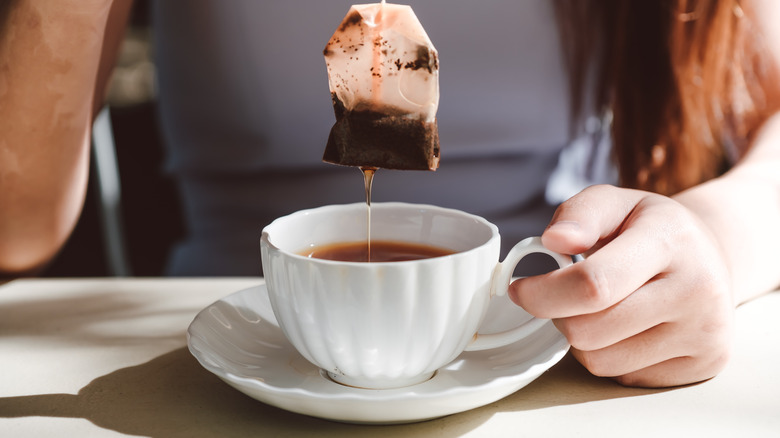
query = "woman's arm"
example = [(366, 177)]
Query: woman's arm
[(53, 70), (652, 304), (742, 208)]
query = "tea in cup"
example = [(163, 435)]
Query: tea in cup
[(393, 321)]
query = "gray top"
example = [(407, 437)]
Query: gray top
[(245, 110)]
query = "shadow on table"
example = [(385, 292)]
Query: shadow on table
[(84, 319), (172, 396)]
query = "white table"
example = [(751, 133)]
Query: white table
[(108, 357)]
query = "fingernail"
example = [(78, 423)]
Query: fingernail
[(565, 226)]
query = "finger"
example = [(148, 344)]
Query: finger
[(591, 216), (595, 284), (674, 372), (630, 355), (639, 253), (656, 345), (637, 313)]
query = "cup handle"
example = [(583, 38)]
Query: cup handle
[(502, 276)]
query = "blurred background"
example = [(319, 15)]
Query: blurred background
[(150, 211)]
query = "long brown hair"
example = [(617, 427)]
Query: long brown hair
[(688, 83)]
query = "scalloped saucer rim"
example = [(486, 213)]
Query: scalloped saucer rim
[(238, 339)]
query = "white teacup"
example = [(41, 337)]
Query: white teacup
[(389, 324)]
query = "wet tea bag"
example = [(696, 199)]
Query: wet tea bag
[(383, 73)]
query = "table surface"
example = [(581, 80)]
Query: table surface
[(108, 357)]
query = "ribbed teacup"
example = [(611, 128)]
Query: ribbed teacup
[(388, 324)]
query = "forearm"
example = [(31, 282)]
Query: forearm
[(742, 209), (49, 57)]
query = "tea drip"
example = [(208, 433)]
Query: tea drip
[(368, 181)]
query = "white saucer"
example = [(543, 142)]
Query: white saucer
[(238, 339)]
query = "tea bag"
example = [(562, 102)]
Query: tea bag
[(383, 73)]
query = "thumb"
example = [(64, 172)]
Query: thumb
[(589, 219)]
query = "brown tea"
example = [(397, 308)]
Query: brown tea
[(381, 251)]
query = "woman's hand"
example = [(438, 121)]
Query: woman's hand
[(651, 304)]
